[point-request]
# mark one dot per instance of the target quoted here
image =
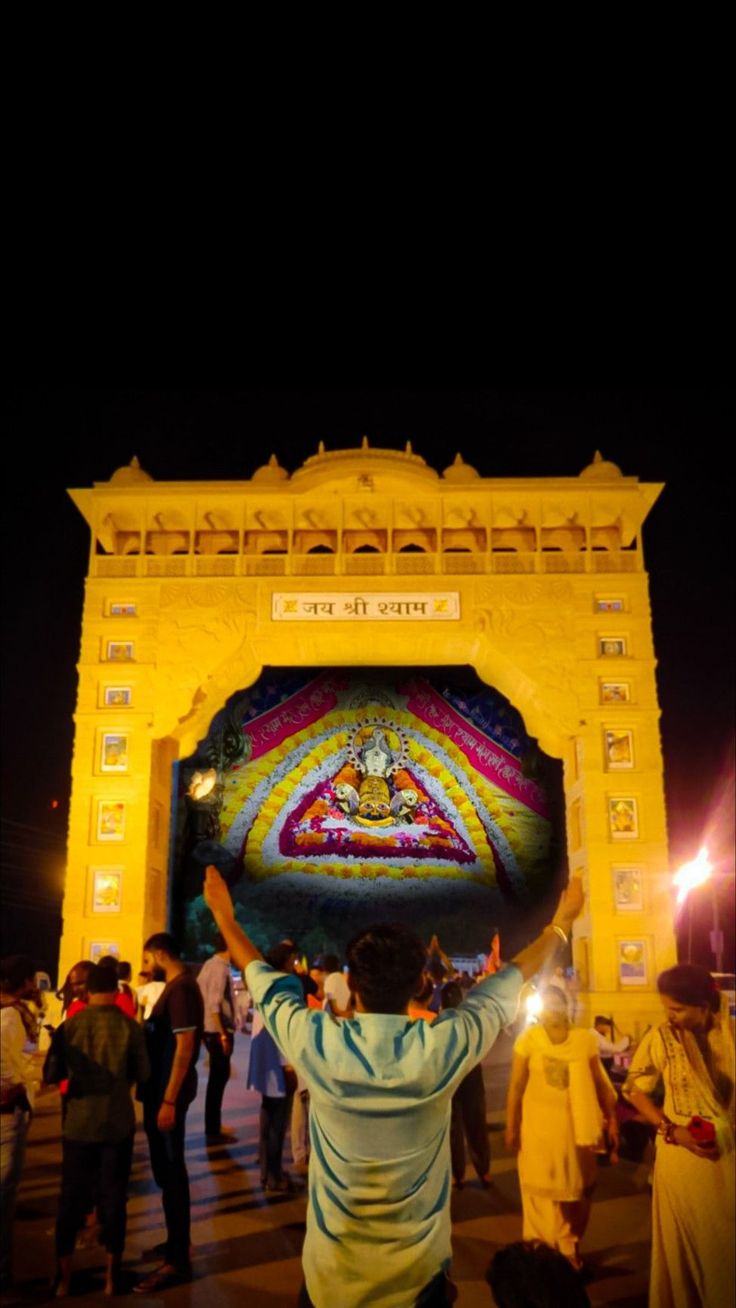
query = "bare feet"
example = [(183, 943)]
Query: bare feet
[(112, 1269), (64, 1277), (162, 1278)]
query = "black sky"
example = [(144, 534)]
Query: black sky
[(71, 437)]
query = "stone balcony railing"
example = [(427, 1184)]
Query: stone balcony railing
[(366, 564)]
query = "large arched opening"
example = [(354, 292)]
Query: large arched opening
[(333, 798)]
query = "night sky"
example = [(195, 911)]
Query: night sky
[(69, 437)]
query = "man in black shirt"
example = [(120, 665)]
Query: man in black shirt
[(173, 1037)]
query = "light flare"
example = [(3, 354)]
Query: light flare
[(692, 874), (533, 1006)]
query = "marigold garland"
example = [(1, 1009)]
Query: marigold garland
[(335, 730)]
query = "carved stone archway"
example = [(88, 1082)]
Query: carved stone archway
[(194, 588)]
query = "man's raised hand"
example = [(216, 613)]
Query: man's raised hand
[(217, 895), (533, 957), (217, 898), (571, 903)]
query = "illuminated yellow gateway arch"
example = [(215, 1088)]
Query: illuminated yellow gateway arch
[(361, 558)]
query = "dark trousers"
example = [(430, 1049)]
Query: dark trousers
[(274, 1118), (469, 1121), (94, 1175), (216, 1082), (170, 1174)]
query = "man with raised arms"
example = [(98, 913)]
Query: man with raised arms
[(378, 1220)]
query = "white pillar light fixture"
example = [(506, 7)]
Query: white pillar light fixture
[(202, 784)]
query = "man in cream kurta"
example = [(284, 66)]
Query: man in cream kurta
[(380, 1085)]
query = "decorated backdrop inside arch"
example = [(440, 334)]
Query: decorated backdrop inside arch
[(344, 796)]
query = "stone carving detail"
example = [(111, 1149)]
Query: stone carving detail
[(537, 654), (177, 688), (525, 644), (235, 673), (525, 591), (212, 596), (554, 632), (187, 596), (199, 647), (246, 594)]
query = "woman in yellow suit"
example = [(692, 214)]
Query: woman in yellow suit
[(692, 1054), (559, 1109)]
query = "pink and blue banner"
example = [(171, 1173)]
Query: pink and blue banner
[(488, 758)]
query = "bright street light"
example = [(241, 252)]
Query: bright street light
[(692, 874)]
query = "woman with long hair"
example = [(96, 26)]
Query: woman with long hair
[(559, 1109), (692, 1054)]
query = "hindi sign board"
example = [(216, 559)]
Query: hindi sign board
[(347, 606)]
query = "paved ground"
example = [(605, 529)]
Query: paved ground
[(247, 1251)]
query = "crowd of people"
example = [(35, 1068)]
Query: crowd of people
[(397, 1037)]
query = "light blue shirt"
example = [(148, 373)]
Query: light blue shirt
[(378, 1220), (216, 983), (266, 1063)]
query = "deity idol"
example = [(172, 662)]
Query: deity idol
[(377, 758)]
